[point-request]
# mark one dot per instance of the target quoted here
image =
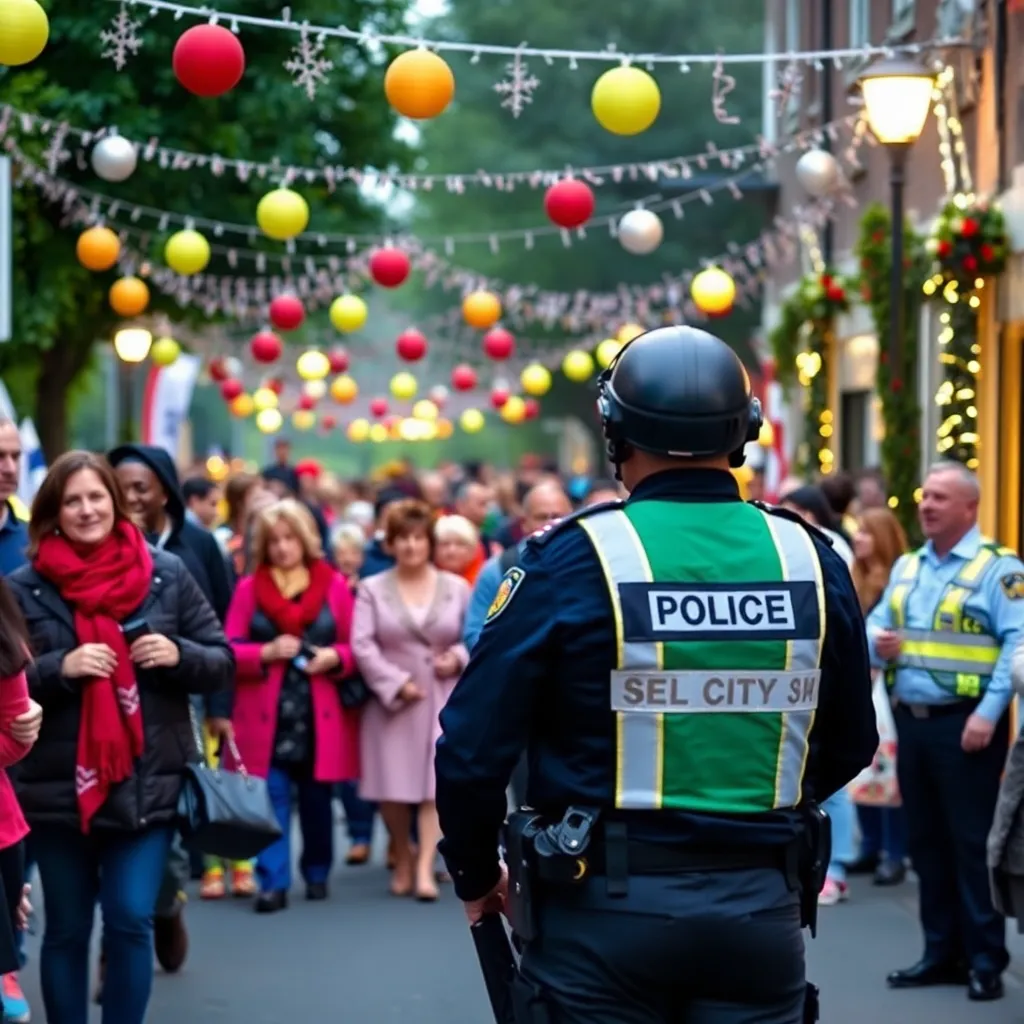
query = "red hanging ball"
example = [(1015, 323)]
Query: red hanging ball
[(328, 422), (379, 407), (275, 384), (499, 343), (208, 60), (463, 377), (265, 347), (569, 203), (230, 389), (287, 312), (307, 403), (532, 408), (389, 267), (411, 345), (499, 396), (338, 360), (217, 370)]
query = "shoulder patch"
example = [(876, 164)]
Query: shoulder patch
[(784, 513), (510, 583), (543, 535), (1013, 585)]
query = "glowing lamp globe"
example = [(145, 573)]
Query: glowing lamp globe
[(328, 422), (535, 379), (419, 84), (532, 408), (97, 248), (282, 214), (132, 344), (569, 203), (358, 431), (444, 429), (463, 378), (411, 346), (425, 409), (578, 366), (263, 399), (499, 344), (408, 430), (287, 312), (625, 101), (379, 433), (403, 386), (265, 347), (269, 421), (307, 402), (165, 352), (129, 297), (481, 309), (231, 389), (315, 389), (606, 351), (389, 267), (627, 332), (897, 98), (242, 406), (344, 390), (472, 421), (208, 60), (313, 365), (514, 410), (348, 313), (24, 31), (499, 396), (713, 292), (303, 419), (378, 407), (187, 253)]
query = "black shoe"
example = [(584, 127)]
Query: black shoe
[(170, 940), (316, 891), (863, 865), (928, 972), (890, 872), (271, 902), (984, 986)]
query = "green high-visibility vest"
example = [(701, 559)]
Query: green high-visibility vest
[(720, 619)]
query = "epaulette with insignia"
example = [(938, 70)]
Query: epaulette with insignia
[(545, 533), (785, 513)]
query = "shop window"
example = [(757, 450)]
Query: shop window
[(855, 427)]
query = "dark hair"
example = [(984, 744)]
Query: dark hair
[(50, 496), (840, 490), (388, 496), (197, 487), (600, 485), (13, 634), (811, 498), (409, 516)]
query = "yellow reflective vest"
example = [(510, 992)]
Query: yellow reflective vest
[(19, 508)]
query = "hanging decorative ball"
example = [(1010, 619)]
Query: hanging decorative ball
[(535, 379), (129, 297), (344, 390), (766, 435), (315, 389), (303, 419), (97, 249), (389, 267), (818, 173), (264, 398), (208, 60), (24, 32), (328, 422), (269, 421), (242, 406), (569, 203), (282, 214), (641, 232), (578, 366), (313, 365), (499, 344), (532, 408), (265, 347), (307, 403), (606, 351), (481, 309), (403, 386), (625, 101), (165, 352), (287, 312), (217, 370), (231, 389), (411, 346), (338, 359), (514, 410), (499, 396), (425, 409), (233, 366), (463, 377), (472, 421), (419, 84), (358, 431), (348, 313), (444, 429), (627, 332), (114, 158), (187, 253), (713, 292), (379, 407), (379, 433), (438, 394)]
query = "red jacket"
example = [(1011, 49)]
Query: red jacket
[(13, 702)]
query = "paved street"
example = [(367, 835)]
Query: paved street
[(366, 956)]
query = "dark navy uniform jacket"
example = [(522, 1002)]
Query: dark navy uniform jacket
[(520, 691)]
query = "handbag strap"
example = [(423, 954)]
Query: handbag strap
[(201, 749)]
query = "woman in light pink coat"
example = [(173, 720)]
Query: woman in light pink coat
[(406, 640)]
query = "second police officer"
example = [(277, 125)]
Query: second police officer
[(688, 674)]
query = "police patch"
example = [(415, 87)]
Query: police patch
[(509, 585), (1013, 585)]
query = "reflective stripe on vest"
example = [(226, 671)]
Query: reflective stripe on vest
[(640, 735)]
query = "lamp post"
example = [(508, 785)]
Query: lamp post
[(132, 345), (897, 97)]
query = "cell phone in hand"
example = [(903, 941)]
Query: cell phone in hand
[(134, 629), (304, 657)]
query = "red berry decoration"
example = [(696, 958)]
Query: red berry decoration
[(411, 346), (532, 408), (338, 360), (275, 384), (217, 370), (463, 377), (499, 343), (287, 312), (569, 203), (208, 60), (307, 403), (379, 407), (266, 347), (328, 422), (230, 389), (499, 396), (389, 267)]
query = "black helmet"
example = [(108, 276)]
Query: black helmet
[(678, 391)]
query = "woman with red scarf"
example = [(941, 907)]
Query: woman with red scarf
[(289, 626), (122, 635)]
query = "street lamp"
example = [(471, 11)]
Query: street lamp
[(132, 345), (897, 97)]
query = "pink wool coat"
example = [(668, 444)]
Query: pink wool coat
[(258, 690), (393, 645)]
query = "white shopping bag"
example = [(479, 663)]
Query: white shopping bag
[(877, 786)]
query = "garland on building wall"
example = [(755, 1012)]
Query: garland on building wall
[(901, 413), (968, 244), (802, 344)]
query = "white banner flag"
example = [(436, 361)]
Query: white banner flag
[(166, 402), (33, 463)]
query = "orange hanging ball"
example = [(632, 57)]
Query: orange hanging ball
[(419, 84), (98, 249), (129, 297)]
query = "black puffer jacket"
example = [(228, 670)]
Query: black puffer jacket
[(175, 607)]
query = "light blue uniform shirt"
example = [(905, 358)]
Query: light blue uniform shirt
[(1001, 615), (485, 589)]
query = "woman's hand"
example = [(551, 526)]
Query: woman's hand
[(410, 693), (24, 912), (89, 660), (326, 659), (282, 648), (25, 728), (154, 650), (447, 665)]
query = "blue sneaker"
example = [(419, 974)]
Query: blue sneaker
[(16, 1008)]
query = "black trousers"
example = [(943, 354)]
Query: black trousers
[(950, 800), (723, 948), (12, 878)]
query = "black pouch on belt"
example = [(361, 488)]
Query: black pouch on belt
[(521, 829), (812, 1008), (817, 854)]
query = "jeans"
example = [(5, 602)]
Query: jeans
[(30, 863), (274, 864), (841, 811), (123, 871), (359, 814), (883, 833)]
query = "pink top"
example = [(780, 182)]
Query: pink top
[(13, 702)]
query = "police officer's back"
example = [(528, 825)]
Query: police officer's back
[(666, 662)]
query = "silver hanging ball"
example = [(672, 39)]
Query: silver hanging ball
[(114, 158), (818, 173), (640, 232)]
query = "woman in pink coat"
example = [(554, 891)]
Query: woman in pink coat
[(289, 625), (406, 639)]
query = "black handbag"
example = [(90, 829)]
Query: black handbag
[(225, 814), (354, 692)]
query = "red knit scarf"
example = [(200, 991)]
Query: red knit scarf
[(288, 616), (104, 585)]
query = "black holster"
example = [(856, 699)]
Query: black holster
[(520, 830), (812, 1007), (813, 868)]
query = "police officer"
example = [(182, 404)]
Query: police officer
[(666, 663)]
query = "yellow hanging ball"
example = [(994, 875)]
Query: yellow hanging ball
[(606, 351), (535, 379), (264, 399), (187, 252), (713, 291), (578, 366), (444, 429), (481, 309), (348, 313), (129, 297), (425, 410), (242, 406), (472, 421), (766, 435), (165, 352), (419, 84), (269, 421), (378, 433), (303, 419), (514, 410), (627, 332), (344, 389), (98, 248), (24, 31), (358, 430), (403, 386), (312, 365), (282, 214), (625, 101), (409, 430)]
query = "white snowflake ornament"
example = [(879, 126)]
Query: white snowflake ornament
[(517, 87), (122, 40), (308, 66)]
